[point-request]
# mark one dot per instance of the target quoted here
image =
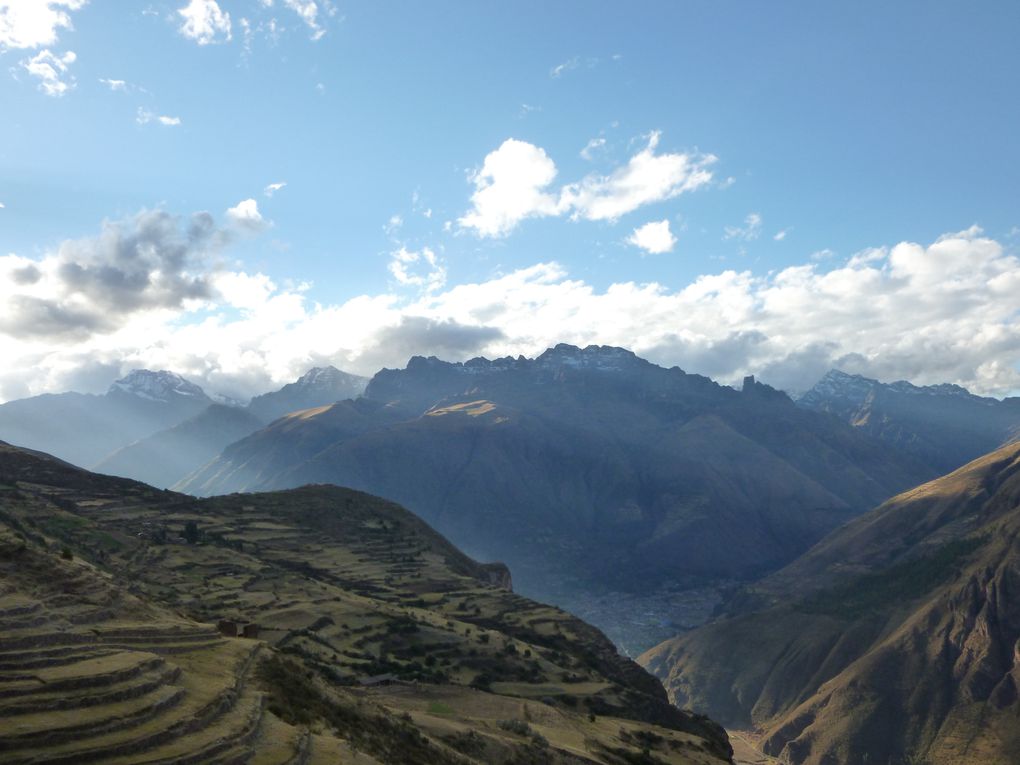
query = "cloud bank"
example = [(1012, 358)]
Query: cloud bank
[(148, 292)]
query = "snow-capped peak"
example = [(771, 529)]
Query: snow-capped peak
[(156, 386), (318, 376)]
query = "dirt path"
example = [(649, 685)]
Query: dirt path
[(746, 751)]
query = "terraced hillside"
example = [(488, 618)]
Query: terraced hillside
[(375, 635), (90, 673)]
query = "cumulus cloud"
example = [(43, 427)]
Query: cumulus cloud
[(34, 23), (515, 179), (204, 22), (114, 85), (94, 285), (245, 215), (942, 312), (511, 186), (653, 237), (417, 269), (750, 231), (272, 188), (52, 70)]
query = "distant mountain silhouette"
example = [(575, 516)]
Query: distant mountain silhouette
[(156, 426), (84, 428), (943, 425)]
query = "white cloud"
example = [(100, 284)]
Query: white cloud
[(588, 152), (114, 85), (2, 205), (945, 312), (653, 237), (308, 10), (272, 188), (510, 187), (566, 66), (52, 71), (417, 269), (144, 117), (34, 23), (750, 231), (781, 235), (647, 177), (515, 179), (205, 22), (245, 214)]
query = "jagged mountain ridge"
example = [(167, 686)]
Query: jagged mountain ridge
[(375, 635), (944, 425), (591, 462), (895, 638)]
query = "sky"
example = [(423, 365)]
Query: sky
[(238, 190)]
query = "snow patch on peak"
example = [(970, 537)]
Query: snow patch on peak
[(600, 357), (158, 385), (319, 376)]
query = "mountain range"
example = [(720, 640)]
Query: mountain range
[(945, 426), (155, 426), (583, 465), (894, 639)]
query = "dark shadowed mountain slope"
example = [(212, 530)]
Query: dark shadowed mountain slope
[(163, 458), (374, 639), (943, 425), (317, 387), (590, 464), (894, 639), (84, 428)]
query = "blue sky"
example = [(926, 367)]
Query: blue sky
[(780, 152)]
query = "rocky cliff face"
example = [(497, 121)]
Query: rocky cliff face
[(894, 639)]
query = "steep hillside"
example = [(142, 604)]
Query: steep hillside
[(943, 425), (583, 464), (83, 428), (895, 639), (371, 633), (165, 457)]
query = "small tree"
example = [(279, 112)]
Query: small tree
[(191, 532)]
